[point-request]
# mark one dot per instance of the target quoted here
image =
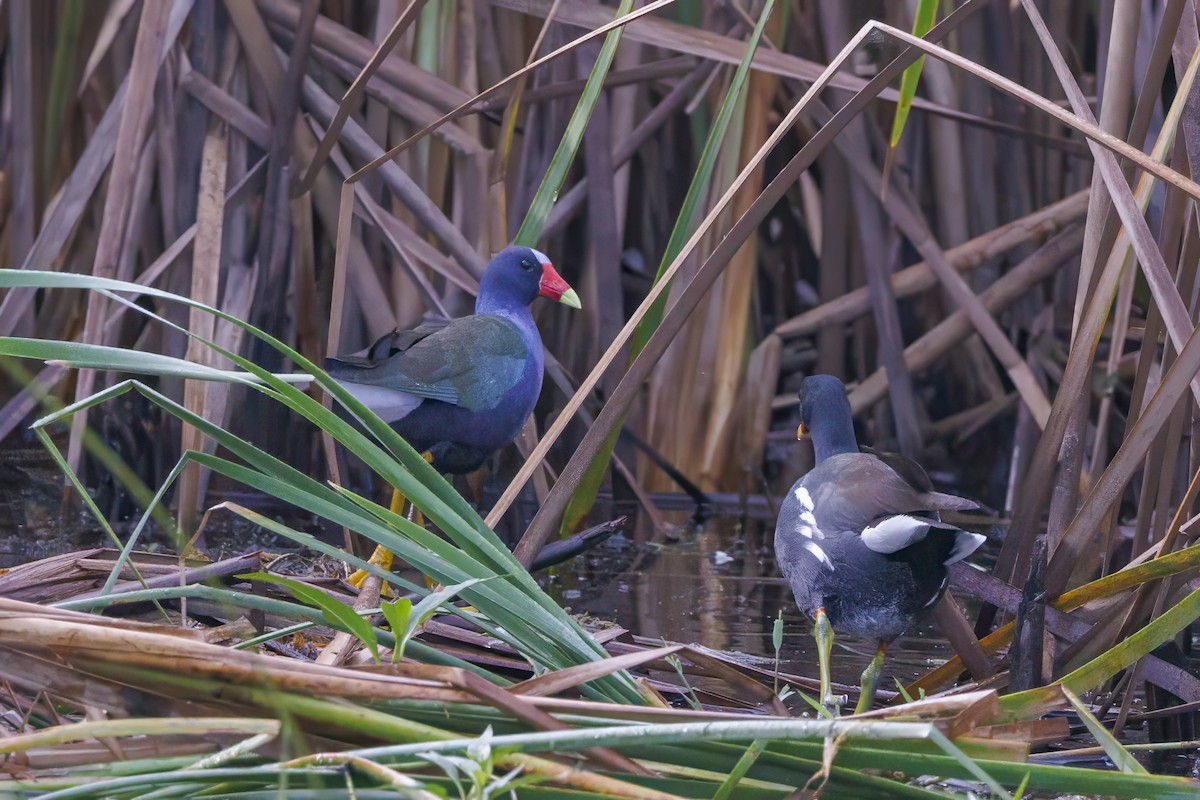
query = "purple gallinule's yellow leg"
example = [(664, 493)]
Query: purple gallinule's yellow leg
[(870, 680), (382, 557)]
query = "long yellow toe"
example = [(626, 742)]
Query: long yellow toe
[(382, 557)]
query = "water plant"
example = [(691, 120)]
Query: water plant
[(135, 134)]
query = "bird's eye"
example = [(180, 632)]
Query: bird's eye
[(527, 265)]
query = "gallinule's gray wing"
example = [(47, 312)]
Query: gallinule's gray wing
[(856, 539), (391, 343), (859, 538)]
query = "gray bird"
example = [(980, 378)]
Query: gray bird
[(859, 538)]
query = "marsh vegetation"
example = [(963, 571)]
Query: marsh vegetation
[(200, 201)]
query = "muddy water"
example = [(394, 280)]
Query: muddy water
[(31, 526)]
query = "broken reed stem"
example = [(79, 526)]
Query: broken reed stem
[(950, 332), (1036, 227)]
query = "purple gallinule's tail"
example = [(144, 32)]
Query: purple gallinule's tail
[(859, 538), (461, 391)]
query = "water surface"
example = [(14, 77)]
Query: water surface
[(718, 586)]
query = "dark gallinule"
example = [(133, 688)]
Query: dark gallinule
[(859, 538), (459, 392)]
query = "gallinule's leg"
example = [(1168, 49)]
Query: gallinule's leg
[(824, 634), (382, 557), (870, 679)]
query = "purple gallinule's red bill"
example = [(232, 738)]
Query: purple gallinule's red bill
[(859, 538), (458, 393)]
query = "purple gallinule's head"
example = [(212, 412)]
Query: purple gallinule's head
[(462, 390), (516, 277), (860, 538)]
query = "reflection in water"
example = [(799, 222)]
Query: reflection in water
[(719, 587)]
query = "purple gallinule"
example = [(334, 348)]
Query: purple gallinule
[(859, 538), (459, 392)]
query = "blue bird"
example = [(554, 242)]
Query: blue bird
[(461, 391)]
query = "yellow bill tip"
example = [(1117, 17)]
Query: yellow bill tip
[(570, 298)]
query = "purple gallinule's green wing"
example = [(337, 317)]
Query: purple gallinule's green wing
[(859, 538)]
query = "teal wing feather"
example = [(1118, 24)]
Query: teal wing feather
[(472, 362)]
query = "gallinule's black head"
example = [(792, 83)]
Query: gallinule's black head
[(859, 538), (516, 277), (825, 417)]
